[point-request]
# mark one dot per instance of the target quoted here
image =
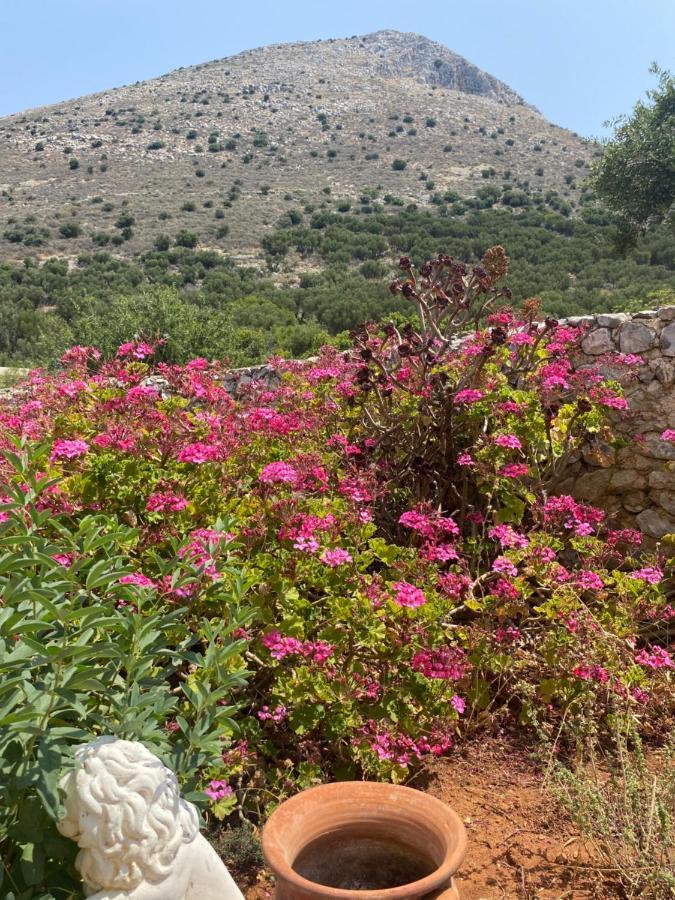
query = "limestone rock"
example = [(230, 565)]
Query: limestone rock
[(592, 486), (668, 340), (655, 524), (627, 480), (599, 453), (662, 479), (635, 338), (664, 370), (612, 320), (597, 342), (635, 501), (667, 313), (664, 499)]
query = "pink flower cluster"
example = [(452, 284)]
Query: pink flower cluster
[(655, 658), (335, 557), (135, 349), (65, 449), (504, 566), (429, 525), (565, 512), (591, 673), (448, 663), (508, 536), (508, 442), (138, 579), (281, 646), (513, 470), (507, 635), (406, 594), (589, 581), (278, 714), (650, 574), (218, 790), (279, 473), (165, 501), (468, 395), (198, 453), (402, 749)]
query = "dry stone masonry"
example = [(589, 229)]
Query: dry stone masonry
[(636, 481)]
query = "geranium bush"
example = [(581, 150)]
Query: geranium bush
[(413, 573)]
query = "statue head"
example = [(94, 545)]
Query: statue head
[(125, 812)]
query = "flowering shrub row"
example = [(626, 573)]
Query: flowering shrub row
[(412, 572)]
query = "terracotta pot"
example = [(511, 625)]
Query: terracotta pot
[(362, 839)]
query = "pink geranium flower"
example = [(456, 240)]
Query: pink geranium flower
[(513, 470), (336, 557), (504, 565), (198, 453), (279, 473), (589, 581), (655, 658), (138, 579), (668, 435), (165, 501), (469, 395), (406, 594), (64, 449), (218, 790), (458, 704), (508, 441), (650, 574)]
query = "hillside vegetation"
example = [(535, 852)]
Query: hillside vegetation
[(326, 275)]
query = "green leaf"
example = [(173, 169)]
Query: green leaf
[(32, 863), (49, 759)]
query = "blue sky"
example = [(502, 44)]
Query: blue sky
[(579, 61)]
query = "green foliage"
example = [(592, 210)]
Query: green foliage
[(570, 262), (82, 653), (398, 165), (70, 230), (636, 174), (187, 239)]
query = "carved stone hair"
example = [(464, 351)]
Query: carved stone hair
[(125, 811)]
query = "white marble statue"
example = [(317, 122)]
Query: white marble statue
[(138, 838)]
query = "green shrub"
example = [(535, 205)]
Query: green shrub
[(162, 242), (626, 808), (86, 651), (70, 230), (186, 239), (398, 165), (125, 220)]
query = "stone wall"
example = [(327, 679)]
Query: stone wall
[(636, 482)]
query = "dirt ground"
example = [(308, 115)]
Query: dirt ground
[(521, 845)]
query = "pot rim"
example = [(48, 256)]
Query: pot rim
[(286, 817)]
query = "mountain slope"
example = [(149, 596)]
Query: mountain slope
[(225, 148)]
